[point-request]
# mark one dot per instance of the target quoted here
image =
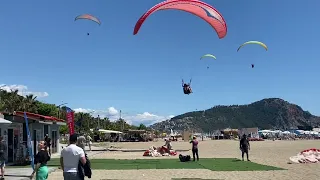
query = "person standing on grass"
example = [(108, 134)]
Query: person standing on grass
[(40, 161), (244, 146), (195, 151), (70, 158), (3, 150)]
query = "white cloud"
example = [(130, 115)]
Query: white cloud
[(83, 110), (112, 111), (135, 119), (23, 90)]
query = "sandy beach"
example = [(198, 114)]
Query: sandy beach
[(274, 153)]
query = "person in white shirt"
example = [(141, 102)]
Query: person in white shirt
[(89, 141), (70, 157)]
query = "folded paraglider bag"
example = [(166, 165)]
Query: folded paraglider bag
[(184, 158), (188, 158)]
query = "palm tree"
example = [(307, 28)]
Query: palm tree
[(142, 127), (2, 105), (11, 100), (29, 103)]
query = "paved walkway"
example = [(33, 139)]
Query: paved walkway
[(24, 173), (21, 173), (95, 150)]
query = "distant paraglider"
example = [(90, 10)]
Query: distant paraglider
[(196, 7), (253, 42), (209, 56), (88, 17)]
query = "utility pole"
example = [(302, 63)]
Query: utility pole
[(98, 121), (89, 123), (122, 126), (90, 118), (81, 120), (59, 108)]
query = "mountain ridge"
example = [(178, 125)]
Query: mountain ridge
[(268, 113)]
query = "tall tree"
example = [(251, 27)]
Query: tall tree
[(11, 101), (28, 103), (142, 127), (47, 109)]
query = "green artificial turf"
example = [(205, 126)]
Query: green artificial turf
[(214, 164)]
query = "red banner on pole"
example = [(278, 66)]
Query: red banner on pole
[(70, 120)]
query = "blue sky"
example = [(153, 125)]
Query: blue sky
[(44, 49)]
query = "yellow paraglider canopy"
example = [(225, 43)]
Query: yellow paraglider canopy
[(254, 42)]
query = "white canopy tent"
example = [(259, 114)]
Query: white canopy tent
[(108, 131), (4, 121), (306, 132), (265, 131), (286, 132)]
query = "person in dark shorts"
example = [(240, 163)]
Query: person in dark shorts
[(195, 151), (244, 146), (47, 141)]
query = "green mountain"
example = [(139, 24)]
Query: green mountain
[(271, 113)]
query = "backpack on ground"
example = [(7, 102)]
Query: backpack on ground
[(184, 158)]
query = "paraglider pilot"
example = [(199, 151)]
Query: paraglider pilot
[(252, 65), (186, 87)]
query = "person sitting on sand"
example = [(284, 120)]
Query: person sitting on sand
[(244, 146)]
